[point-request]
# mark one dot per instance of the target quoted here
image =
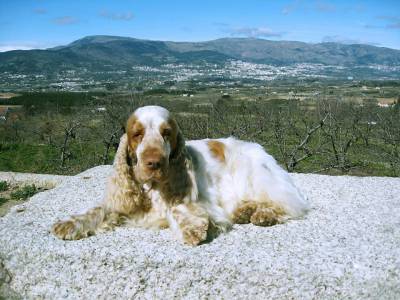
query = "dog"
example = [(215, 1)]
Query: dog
[(196, 188)]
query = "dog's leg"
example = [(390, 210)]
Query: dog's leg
[(121, 203), (258, 213), (81, 226), (190, 222), (123, 199)]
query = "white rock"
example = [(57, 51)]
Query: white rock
[(347, 247)]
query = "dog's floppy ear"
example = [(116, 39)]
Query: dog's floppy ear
[(131, 158), (122, 159), (177, 140), (135, 132), (181, 178)]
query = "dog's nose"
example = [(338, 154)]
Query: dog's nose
[(152, 159), (153, 164)]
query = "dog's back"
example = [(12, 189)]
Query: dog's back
[(231, 172)]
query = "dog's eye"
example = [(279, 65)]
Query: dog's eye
[(137, 135)]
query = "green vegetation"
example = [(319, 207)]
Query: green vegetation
[(53, 101), (3, 186), (24, 192), (3, 200), (307, 127), (13, 194)]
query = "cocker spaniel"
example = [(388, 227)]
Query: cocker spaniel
[(196, 188)]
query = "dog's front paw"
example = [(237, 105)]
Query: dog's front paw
[(195, 234), (192, 223), (68, 230)]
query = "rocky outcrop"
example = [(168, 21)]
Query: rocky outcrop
[(347, 247)]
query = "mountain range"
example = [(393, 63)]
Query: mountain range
[(99, 53)]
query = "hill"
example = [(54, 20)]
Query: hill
[(99, 53), (289, 52)]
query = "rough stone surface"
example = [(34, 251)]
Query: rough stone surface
[(347, 247), (42, 180)]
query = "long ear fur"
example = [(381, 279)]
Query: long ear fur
[(180, 148), (124, 193), (131, 157), (181, 186), (122, 158)]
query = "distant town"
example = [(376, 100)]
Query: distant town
[(177, 75)]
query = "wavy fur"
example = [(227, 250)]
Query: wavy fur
[(196, 188)]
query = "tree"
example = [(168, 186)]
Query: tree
[(69, 133), (389, 124), (295, 134)]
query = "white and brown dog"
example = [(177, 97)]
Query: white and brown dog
[(195, 188)]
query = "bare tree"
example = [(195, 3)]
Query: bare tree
[(294, 137), (342, 133), (389, 123), (110, 141), (304, 150), (69, 133)]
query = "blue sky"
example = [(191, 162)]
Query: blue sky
[(26, 24)]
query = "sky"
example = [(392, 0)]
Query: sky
[(28, 24)]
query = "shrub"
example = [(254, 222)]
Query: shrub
[(24, 192), (3, 186)]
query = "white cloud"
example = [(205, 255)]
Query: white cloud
[(65, 20), (291, 7), (323, 6), (254, 32), (343, 40), (127, 16), (320, 6), (21, 45), (4, 48), (392, 22)]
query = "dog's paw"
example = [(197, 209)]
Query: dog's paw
[(68, 230), (264, 217), (195, 234), (243, 213)]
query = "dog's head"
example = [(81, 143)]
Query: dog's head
[(154, 141)]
